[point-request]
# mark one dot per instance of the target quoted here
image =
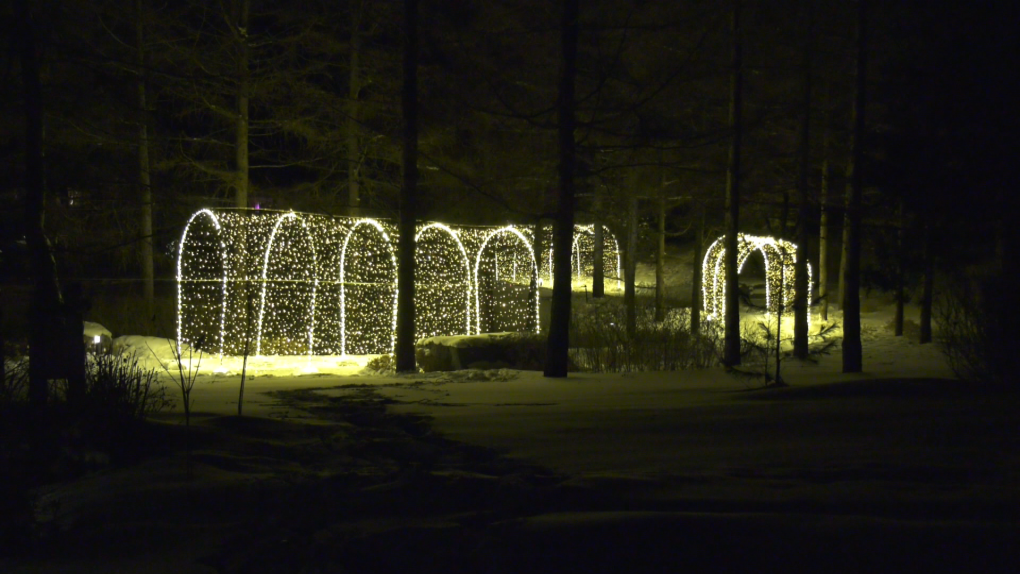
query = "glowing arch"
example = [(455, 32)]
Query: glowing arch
[(582, 256), (582, 253), (505, 267), (439, 283), (367, 285), (196, 284), (780, 263), (294, 278), (290, 283)]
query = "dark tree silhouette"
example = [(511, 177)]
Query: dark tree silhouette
[(852, 350), (557, 358), (405, 361), (731, 343)]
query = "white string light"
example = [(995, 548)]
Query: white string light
[(780, 267), (263, 280)]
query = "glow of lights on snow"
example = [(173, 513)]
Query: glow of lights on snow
[(780, 259)]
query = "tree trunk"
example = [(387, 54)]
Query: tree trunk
[(852, 350), (405, 361), (801, 293), (660, 262), (823, 241), (696, 277), (731, 349), (599, 260), (598, 273), (927, 287), (46, 296), (241, 129), (900, 288), (534, 292), (557, 358), (844, 240), (353, 115), (630, 274), (144, 179)]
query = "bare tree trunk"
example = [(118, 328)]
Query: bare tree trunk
[(696, 277), (731, 348), (844, 240), (241, 129), (144, 179), (801, 294), (900, 289), (534, 294), (46, 295), (660, 257), (353, 114), (598, 256), (927, 286), (630, 274), (405, 361), (557, 358), (823, 241), (852, 349)]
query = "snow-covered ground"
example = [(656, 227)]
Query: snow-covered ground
[(511, 409)]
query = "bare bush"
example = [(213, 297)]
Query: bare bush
[(118, 385), (974, 329), (601, 344)]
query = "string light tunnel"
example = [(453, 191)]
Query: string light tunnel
[(266, 282), (780, 258)]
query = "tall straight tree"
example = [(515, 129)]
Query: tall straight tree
[(144, 178), (731, 344), (47, 299), (801, 295), (563, 229), (852, 349), (630, 274), (353, 113), (405, 361), (823, 229), (239, 30)]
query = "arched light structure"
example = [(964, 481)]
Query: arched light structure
[(506, 283), (368, 289), (780, 260), (442, 290), (583, 254), (290, 272), (582, 257), (287, 283), (202, 274)]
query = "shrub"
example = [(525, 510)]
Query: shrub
[(975, 332), (601, 342), (116, 385), (382, 364)]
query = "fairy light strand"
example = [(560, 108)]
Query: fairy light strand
[(780, 265), (293, 283)]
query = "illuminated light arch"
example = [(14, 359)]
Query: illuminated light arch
[(294, 282), (582, 256), (582, 253), (439, 255), (196, 282), (368, 285), (505, 267), (780, 258)]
